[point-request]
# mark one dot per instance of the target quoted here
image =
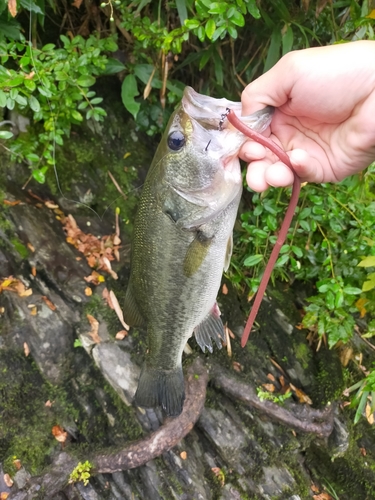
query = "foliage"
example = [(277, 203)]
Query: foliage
[(81, 473), (364, 396), (275, 398)]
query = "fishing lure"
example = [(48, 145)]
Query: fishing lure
[(281, 154)]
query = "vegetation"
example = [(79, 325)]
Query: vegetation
[(157, 48)]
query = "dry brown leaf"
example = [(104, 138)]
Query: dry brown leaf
[(4, 495), (29, 76), (33, 271), (322, 496), (34, 311), (224, 289), (116, 240), (8, 480), (59, 433), (77, 3), (17, 463), (237, 366), (282, 381), (118, 310), (227, 340), (219, 474), (11, 203), (271, 377), (95, 278), (52, 206), (2, 310), (109, 268), (277, 365), (363, 451), (183, 455), (48, 404), (269, 387), (302, 397), (30, 247), (345, 355), (94, 328), (50, 304), (88, 291), (121, 334), (12, 7), (369, 414), (26, 349), (314, 488)]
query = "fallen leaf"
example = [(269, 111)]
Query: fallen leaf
[(237, 366), (118, 310), (8, 480), (271, 377), (52, 206), (48, 404), (322, 496), (33, 271), (363, 451), (227, 339), (4, 495), (2, 310), (183, 455), (109, 268), (30, 247), (369, 414), (314, 488), (94, 329), (17, 463), (219, 474), (50, 304), (121, 334), (12, 7), (11, 203), (29, 76), (59, 433), (88, 291), (269, 387), (345, 355), (302, 397), (26, 349), (34, 311), (224, 289)]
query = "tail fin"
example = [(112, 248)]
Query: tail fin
[(163, 388)]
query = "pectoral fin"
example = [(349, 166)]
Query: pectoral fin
[(228, 253), (211, 328), (132, 315), (196, 252)]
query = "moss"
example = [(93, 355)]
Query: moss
[(303, 354)]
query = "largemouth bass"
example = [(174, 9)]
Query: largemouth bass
[(183, 240)]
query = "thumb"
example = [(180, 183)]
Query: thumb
[(271, 89)]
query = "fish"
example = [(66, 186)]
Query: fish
[(182, 240)]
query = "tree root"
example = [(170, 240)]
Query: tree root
[(134, 455), (300, 417)]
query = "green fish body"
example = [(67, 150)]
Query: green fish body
[(182, 241)]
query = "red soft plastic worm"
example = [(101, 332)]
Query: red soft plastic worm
[(268, 143)]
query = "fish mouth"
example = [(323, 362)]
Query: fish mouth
[(211, 113)]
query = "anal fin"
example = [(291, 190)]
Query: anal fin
[(211, 328)]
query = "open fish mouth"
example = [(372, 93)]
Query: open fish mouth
[(210, 112)]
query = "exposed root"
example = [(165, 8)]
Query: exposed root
[(300, 417)]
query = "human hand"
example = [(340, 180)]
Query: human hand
[(324, 117)]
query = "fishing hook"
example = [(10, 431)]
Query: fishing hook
[(223, 118)]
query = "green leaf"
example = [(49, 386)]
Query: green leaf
[(218, 8), (22, 101), (210, 28), (86, 81), (34, 104), (273, 54), (252, 8), (367, 262), (182, 11), (29, 84), (77, 115), (238, 19), (113, 66), (232, 31), (3, 99), (129, 90), (191, 23), (48, 47), (31, 6), (369, 284), (39, 175), (287, 41), (5, 134), (351, 290), (297, 251), (253, 260), (330, 300), (10, 103)]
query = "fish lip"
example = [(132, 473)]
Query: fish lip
[(210, 112)]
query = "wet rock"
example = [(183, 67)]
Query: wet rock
[(275, 482), (118, 368)]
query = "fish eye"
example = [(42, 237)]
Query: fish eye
[(176, 140)]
